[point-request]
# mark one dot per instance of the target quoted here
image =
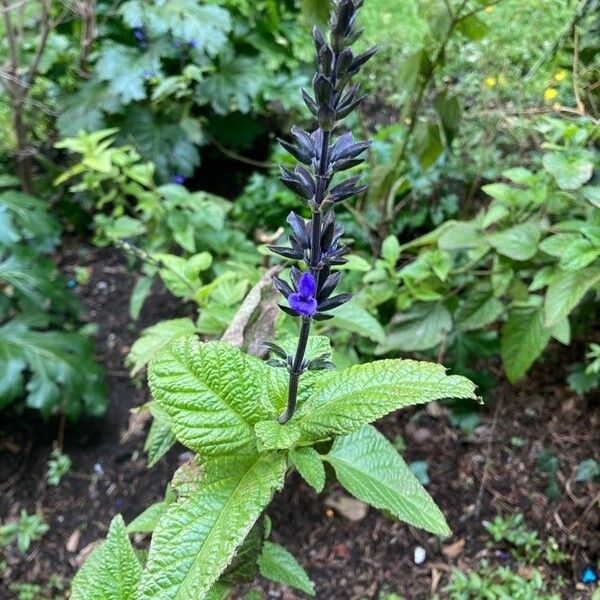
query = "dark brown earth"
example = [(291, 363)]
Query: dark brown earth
[(473, 476)]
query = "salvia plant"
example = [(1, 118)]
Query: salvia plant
[(250, 422)]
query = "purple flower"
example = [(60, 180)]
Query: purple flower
[(303, 301), (139, 34), (192, 43), (178, 178)]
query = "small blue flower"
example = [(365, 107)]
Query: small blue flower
[(589, 575), (139, 34), (303, 301), (192, 43), (178, 178), (148, 74), (71, 283)]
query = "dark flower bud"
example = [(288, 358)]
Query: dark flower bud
[(291, 253), (327, 288), (299, 153), (343, 19), (322, 317), (327, 117), (282, 286), (303, 186), (326, 60), (334, 302), (323, 89), (295, 274), (299, 228), (319, 363), (344, 61), (346, 148), (346, 163), (353, 36), (318, 38)]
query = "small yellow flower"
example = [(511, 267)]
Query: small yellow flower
[(489, 9), (562, 74), (490, 82), (550, 94)]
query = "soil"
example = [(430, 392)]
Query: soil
[(473, 476)]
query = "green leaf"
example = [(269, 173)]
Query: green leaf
[(424, 326), (579, 255), (353, 317), (112, 571), (309, 464), (213, 393), (154, 339), (141, 290), (566, 291), (592, 194), (587, 470), (519, 242), (316, 346), (277, 564), (272, 435), (197, 538), (473, 28), (369, 467), (160, 437), (557, 245), (479, 309), (523, 339), (390, 250), (147, 521), (345, 400), (561, 332), (569, 171)]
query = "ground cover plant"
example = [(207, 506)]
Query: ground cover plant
[(249, 421)]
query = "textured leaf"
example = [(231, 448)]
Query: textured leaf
[(565, 292), (579, 255), (519, 242), (345, 400), (309, 464), (369, 467), (271, 435), (112, 571), (523, 339), (277, 564), (317, 346), (197, 537), (570, 172), (147, 521), (154, 339), (214, 394)]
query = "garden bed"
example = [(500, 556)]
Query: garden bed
[(474, 476)]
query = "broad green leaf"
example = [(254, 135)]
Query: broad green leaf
[(369, 467), (519, 242), (523, 339), (424, 326), (355, 318), (570, 172), (480, 308), (309, 464), (277, 564), (213, 393), (592, 193), (557, 245), (197, 538), (579, 255), (347, 399), (112, 571), (272, 435), (565, 292), (154, 339), (457, 235)]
